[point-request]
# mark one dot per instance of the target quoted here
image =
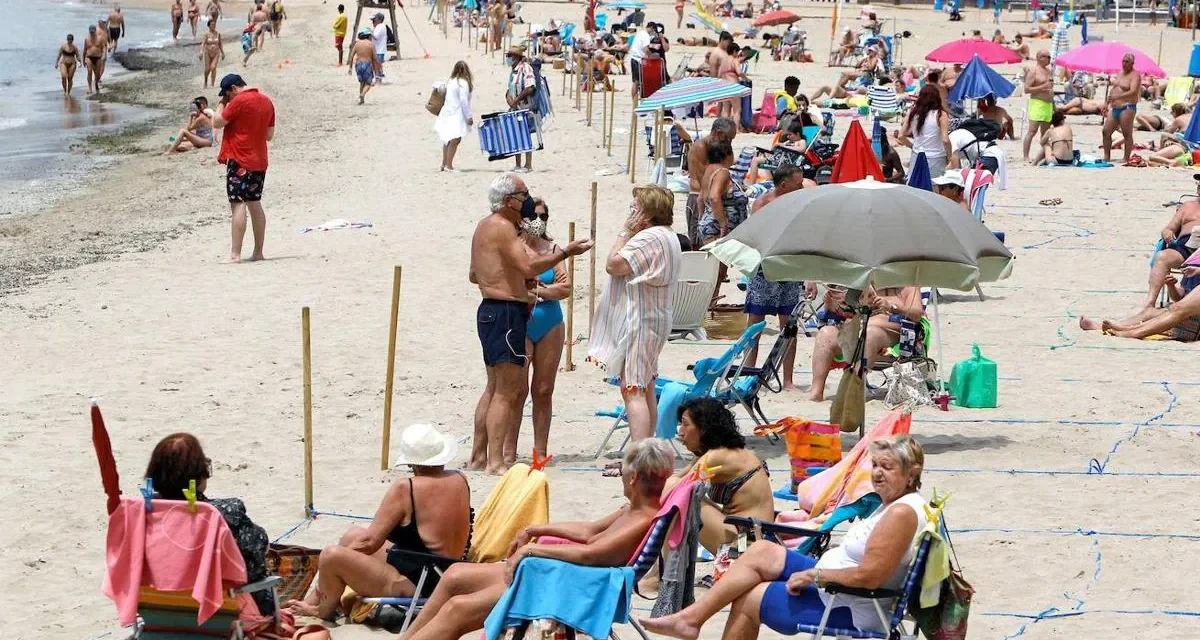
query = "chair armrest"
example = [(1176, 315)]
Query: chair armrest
[(742, 523), (874, 594), (270, 582)]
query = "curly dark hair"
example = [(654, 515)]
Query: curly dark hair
[(718, 429), (177, 459)]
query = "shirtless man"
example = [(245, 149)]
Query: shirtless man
[(93, 58), (723, 130), (1082, 107), (212, 51), (501, 267), (193, 15), (116, 27), (259, 19), (1039, 86), (362, 63), (68, 58), (176, 18), (989, 110), (1175, 236), (1123, 93), (1020, 47)]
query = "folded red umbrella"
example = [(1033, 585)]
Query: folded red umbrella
[(961, 51), (855, 160), (104, 454), (775, 18)]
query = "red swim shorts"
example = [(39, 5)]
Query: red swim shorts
[(338, 40)]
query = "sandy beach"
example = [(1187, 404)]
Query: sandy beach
[(117, 292)]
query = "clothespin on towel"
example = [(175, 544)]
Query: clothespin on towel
[(539, 463), (190, 494), (147, 491)]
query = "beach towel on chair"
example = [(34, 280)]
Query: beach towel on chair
[(589, 599), (520, 499), (850, 479)]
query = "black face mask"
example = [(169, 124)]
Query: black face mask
[(528, 208)]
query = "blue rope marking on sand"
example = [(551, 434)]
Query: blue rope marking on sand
[(1081, 532), (293, 530), (1096, 466), (1079, 232), (1067, 341), (1007, 472), (1047, 615), (335, 514)]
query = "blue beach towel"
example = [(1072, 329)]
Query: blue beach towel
[(589, 599)]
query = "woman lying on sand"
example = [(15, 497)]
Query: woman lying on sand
[(428, 513), (1179, 321)]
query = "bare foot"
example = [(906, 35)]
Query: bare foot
[(476, 465), (789, 386), (1108, 327), (672, 625), (816, 396), (1088, 324), (233, 260), (497, 470), (255, 257), (300, 608)]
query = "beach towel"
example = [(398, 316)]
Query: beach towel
[(850, 479), (589, 599), (520, 499), (671, 395), (676, 588)]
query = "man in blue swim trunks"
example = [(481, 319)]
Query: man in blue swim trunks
[(500, 267), (1177, 245), (362, 63)]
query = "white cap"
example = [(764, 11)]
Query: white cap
[(950, 177)]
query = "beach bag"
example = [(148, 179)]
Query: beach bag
[(296, 565), (437, 99), (909, 383), (809, 444), (973, 382), (947, 620), (849, 405)]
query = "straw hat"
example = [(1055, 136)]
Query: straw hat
[(422, 445)]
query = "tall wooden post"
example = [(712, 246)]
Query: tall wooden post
[(570, 366), (592, 264), (306, 348), (386, 443)]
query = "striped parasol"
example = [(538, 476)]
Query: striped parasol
[(626, 4), (690, 91)]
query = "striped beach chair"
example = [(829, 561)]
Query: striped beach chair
[(507, 133)]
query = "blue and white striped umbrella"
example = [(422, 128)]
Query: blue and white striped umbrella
[(690, 91), (626, 4)]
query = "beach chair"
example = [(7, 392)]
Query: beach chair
[(671, 393), (411, 606), (675, 143), (567, 35), (812, 542), (765, 119), (883, 102), (1179, 90), (693, 291), (741, 166)]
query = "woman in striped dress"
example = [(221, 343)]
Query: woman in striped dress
[(633, 315)]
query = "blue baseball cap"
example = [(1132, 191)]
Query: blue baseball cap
[(231, 80)]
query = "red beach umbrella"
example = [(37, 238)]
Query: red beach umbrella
[(104, 454), (961, 51), (856, 160), (774, 18)]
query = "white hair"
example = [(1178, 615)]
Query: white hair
[(653, 460), (504, 185)]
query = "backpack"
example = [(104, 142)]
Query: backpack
[(983, 129)]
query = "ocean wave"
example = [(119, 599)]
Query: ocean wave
[(12, 123)]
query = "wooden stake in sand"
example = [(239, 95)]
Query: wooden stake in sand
[(592, 264), (570, 366), (578, 82), (306, 346), (612, 116), (589, 105), (391, 372)]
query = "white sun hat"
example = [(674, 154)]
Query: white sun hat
[(422, 445)]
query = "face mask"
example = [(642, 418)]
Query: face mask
[(535, 227), (528, 208)]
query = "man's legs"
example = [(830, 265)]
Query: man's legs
[(1110, 125), (789, 357), (824, 350), (1166, 260), (1175, 315), (258, 222), (504, 411), (1035, 130), (479, 444), (238, 209), (1126, 123)]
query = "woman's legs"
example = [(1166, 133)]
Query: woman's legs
[(641, 409), (461, 602), (185, 138), (744, 622), (545, 357), (1091, 324), (339, 567), (763, 562), (825, 348), (451, 148)]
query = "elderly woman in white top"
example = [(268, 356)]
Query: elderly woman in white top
[(633, 316), (780, 588), (454, 121)]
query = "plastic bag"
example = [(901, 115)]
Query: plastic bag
[(973, 382)]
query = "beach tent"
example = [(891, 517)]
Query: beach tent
[(978, 80)]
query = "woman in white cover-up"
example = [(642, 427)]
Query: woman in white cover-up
[(455, 120)]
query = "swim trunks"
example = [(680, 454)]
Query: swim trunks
[(365, 71), (247, 42), (1117, 111), (114, 33), (1040, 110), (1180, 245), (338, 40), (501, 325), (242, 185)]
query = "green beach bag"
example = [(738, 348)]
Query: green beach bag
[(973, 382)]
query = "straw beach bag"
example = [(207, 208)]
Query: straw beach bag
[(437, 99)]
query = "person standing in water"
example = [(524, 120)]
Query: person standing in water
[(116, 27), (68, 58), (193, 15), (212, 50), (176, 19), (93, 58), (213, 10)]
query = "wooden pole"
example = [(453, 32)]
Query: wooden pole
[(579, 82), (633, 133), (386, 444), (658, 135), (306, 346), (612, 117), (1158, 58), (592, 265), (570, 366), (590, 91), (604, 118)]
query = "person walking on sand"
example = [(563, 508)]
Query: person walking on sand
[(379, 37), (66, 62), (193, 16), (277, 15), (362, 63), (213, 10), (176, 19), (258, 18), (116, 27), (1039, 86), (1123, 94), (339, 32), (212, 50), (93, 59), (500, 267), (455, 121), (248, 118), (522, 84)]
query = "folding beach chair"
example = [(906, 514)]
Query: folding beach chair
[(693, 291), (812, 542), (674, 142), (508, 133), (708, 372), (765, 119), (1179, 90), (411, 606), (741, 166)]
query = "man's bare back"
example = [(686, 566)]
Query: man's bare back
[(363, 50), (493, 269)]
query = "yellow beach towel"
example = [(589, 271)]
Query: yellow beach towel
[(521, 499), (1179, 89)]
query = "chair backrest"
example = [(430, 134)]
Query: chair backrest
[(652, 546), (710, 371), (698, 266), (912, 580), (977, 202), (567, 34), (741, 166), (170, 615)]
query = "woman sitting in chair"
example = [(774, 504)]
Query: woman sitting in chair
[(468, 591), (739, 485), (783, 589), (888, 308), (179, 458), (428, 513)]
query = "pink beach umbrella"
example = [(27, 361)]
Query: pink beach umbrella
[(1105, 57), (961, 51)]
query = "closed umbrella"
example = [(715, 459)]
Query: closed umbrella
[(1105, 57), (978, 80), (774, 18), (104, 455), (918, 177), (855, 159), (961, 51)]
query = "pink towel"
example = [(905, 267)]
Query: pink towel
[(170, 549)]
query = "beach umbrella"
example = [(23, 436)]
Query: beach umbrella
[(978, 80), (1192, 133), (690, 91), (919, 177), (775, 18), (626, 4), (104, 454), (1105, 57), (961, 51), (863, 233), (855, 160)]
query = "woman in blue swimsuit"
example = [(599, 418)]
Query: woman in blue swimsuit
[(545, 333)]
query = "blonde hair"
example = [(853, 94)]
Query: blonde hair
[(461, 70), (657, 204), (907, 451), (653, 460)]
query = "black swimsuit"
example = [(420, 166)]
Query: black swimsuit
[(408, 538)]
